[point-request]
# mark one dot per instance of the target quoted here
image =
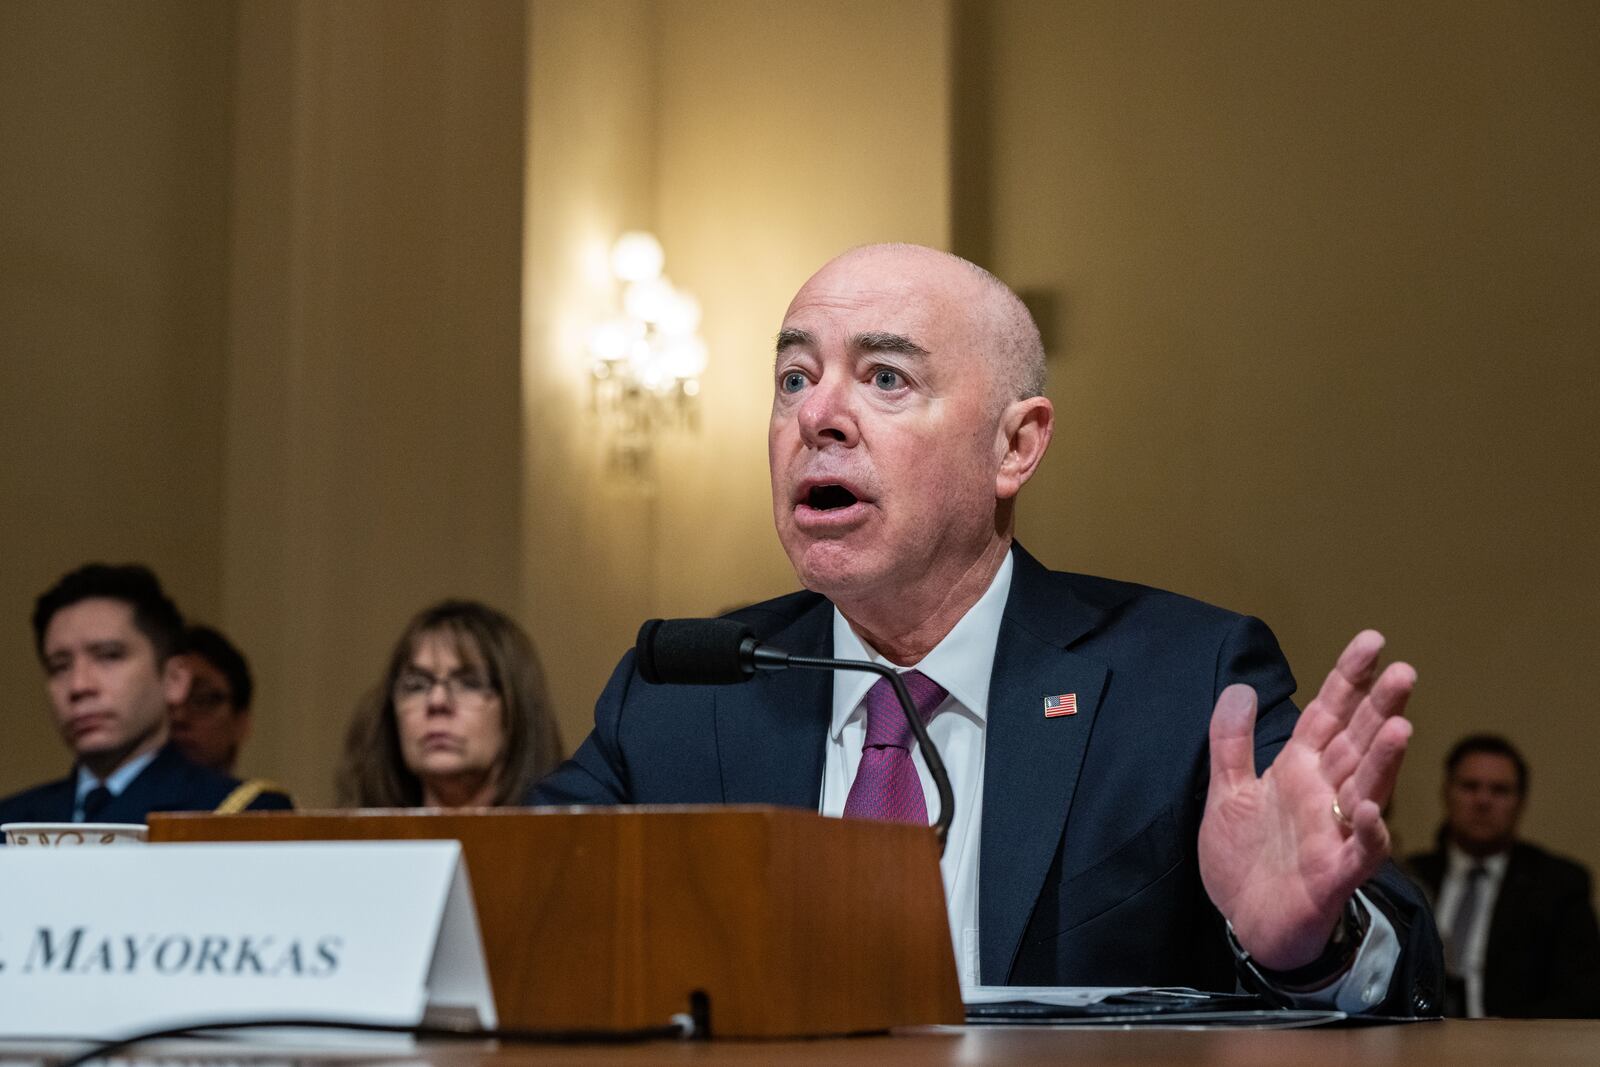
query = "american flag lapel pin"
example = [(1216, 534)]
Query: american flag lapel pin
[(1057, 706)]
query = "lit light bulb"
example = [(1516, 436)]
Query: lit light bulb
[(610, 340), (680, 317), (652, 378), (648, 300), (641, 356), (684, 357), (637, 257)]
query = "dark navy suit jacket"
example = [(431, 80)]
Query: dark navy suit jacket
[(1088, 862), (1544, 940), (169, 783)]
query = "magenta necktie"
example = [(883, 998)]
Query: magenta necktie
[(887, 787)]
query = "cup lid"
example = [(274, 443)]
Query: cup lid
[(81, 827)]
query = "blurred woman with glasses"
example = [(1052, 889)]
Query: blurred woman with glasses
[(461, 718)]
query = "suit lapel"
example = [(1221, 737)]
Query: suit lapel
[(151, 790), (772, 735), (1510, 909), (1031, 763), (56, 803), (1429, 871), (772, 731)]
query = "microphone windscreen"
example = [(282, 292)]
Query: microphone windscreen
[(692, 651)]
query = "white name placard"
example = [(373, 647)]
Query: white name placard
[(104, 942)]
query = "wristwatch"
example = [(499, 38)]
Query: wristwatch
[(1334, 962)]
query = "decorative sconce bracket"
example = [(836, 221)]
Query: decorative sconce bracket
[(646, 361)]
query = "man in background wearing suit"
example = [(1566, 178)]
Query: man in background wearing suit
[(108, 639), (1518, 922), (1103, 738), (211, 723)]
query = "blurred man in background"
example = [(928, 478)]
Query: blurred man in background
[(211, 723), (109, 639), (1518, 923)]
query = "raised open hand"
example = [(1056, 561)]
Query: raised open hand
[(1281, 854)]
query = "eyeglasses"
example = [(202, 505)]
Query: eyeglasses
[(460, 687), (206, 700)]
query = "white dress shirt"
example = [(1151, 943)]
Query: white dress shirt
[(963, 663), (1476, 946)]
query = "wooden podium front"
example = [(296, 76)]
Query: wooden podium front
[(791, 924)]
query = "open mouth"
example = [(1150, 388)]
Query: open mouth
[(829, 497)]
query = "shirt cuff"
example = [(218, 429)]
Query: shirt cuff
[(1365, 984)]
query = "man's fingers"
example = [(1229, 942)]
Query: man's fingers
[(1233, 738), (1375, 776), (1387, 699), (1367, 847), (1342, 691)]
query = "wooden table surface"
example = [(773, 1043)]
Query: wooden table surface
[(1456, 1043)]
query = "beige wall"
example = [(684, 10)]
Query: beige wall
[(374, 439), (270, 349), (293, 305), (1326, 276), (643, 116), (404, 196), (761, 182), (590, 176), (113, 244)]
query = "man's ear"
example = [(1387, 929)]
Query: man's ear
[(1025, 430), (176, 677)]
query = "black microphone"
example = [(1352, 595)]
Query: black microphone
[(725, 651)]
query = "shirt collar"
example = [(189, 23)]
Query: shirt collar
[(963, 662), (118, 780), (1461, 863)]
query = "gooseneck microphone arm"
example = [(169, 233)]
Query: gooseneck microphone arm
[(771, 659), (726, 651)]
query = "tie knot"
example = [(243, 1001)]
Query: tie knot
[(886, 723)]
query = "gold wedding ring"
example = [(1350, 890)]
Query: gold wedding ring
[(1338, 813)]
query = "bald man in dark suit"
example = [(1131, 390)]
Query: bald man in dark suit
[(1103, 738)]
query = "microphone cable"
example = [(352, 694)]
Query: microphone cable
[(727, 652), (682, 1027)]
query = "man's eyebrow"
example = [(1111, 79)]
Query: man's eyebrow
[(877, 341), (789, 337), (870, 341)]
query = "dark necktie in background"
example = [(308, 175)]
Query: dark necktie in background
[(1463, 920), (94, 802)]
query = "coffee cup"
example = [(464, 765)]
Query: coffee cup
[(72, 834)]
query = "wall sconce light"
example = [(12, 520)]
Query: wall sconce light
[(646, 361)]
